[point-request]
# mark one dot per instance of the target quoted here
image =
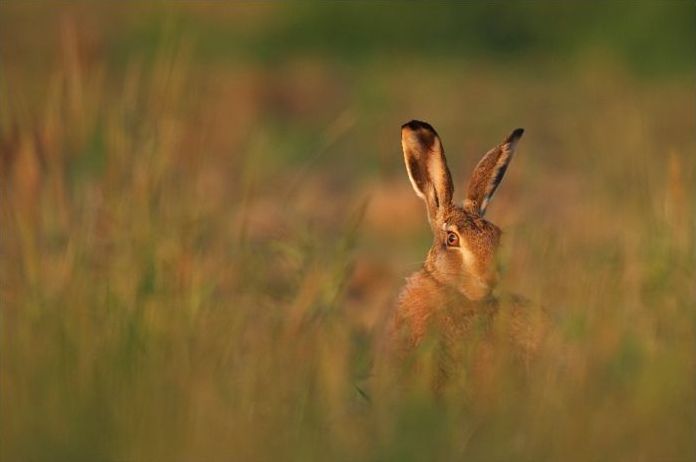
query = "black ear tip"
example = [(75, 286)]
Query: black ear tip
[(420, 133), (416, 125), (515, 135)]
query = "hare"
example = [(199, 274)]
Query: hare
[(451, 298)]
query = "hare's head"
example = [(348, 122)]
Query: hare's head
[(464, 245)]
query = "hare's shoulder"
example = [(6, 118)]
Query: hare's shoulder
[(416, 303), (425, 305)]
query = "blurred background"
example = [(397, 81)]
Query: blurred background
[(205, 216)]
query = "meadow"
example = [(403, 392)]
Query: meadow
[(204, 218)]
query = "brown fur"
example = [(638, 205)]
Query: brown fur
[(450, 300)]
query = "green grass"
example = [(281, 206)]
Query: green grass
[(197, 253)]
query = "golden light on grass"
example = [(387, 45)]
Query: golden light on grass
[(190, 269)]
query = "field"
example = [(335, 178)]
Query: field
[(204, 218)]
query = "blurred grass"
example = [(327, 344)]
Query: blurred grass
[(205, 216)]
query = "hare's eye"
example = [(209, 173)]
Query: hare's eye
[(452, 239)]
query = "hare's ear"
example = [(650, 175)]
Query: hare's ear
[(427, 166), (489, 173)]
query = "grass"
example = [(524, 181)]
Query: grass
[(196, 256)]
